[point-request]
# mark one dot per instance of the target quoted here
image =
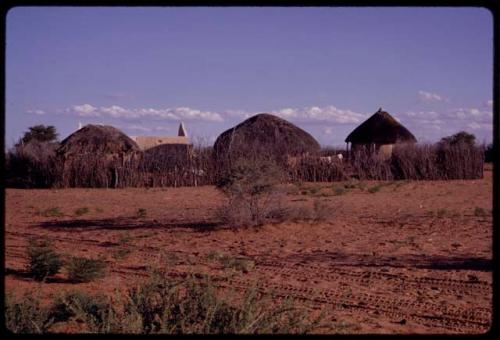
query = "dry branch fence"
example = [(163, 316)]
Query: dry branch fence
[(31, 166)]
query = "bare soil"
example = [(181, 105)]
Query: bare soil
[(399, 257)]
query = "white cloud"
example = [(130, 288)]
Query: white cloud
[(422, 114), (327, 130), (480, 126), (327, 114), (36, 112), (489, 104), (430, 97), (115, 111), (138, 128), (471, 113)]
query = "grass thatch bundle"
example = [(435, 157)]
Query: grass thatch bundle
[(380, 128), (266, 135), (95, 156)]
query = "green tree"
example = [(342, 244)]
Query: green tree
[(40, 133), (461, 137)]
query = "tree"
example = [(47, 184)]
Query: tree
[(40, 133), (488, 153), (461, 137)]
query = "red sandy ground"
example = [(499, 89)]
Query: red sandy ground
[(414, 257)]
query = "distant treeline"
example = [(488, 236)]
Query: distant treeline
[(34, 163)]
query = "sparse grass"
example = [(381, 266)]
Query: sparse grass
[(317, 213), (339, 190), (121, 253), (99, 210), (141, 212), (314, 190), (375, 188), (52, 212), (82, 211), (124, 239), (441, 213), (478, 211), (82, 269), (230, 262)]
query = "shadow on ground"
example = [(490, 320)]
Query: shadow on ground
[(25, 276), (128, 223), (401, 261)]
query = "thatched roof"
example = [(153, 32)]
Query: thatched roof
[(380, 128), (265, 133), (98, 139)]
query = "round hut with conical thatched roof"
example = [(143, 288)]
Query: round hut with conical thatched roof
[(97, 156), (379, 133), (263, 134)]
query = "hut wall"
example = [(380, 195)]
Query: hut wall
[(383, 150)]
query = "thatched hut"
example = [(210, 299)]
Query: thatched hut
[(378, 134), (263, 134), (97, 156)]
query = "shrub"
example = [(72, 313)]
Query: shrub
[(81, 269), (320, 211), (43, 261)]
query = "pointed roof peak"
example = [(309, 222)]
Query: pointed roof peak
[(182, 130)]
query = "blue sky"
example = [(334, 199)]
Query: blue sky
[(325, 69)]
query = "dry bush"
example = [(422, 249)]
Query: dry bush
[(251, 188)]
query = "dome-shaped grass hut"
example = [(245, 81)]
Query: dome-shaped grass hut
[(378, 134), (263, 135), (98, 156)]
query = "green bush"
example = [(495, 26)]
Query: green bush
[(191, 305), (43, 261), (81, 269)]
